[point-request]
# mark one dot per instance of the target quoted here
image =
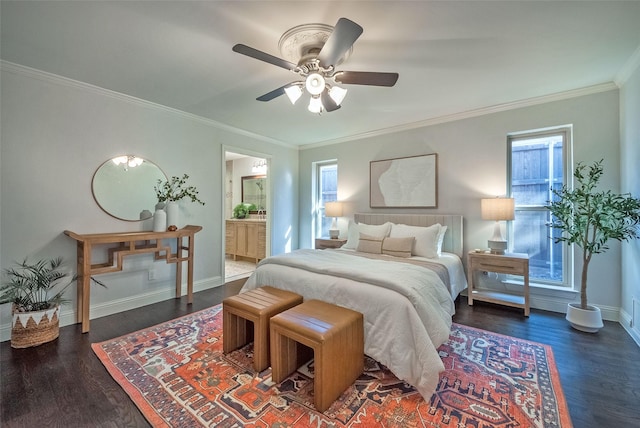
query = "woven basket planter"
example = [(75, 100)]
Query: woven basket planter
[(34, 328)]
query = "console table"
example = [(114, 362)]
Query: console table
[(130, 243)]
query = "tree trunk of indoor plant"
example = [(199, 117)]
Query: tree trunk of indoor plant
[(586, 258)]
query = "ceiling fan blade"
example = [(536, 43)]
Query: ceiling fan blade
[(366, 78), (327, 102), (344, 34), (273, 94), (263, 56)]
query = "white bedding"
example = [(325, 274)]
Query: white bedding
[(404, 321), (457, 276)]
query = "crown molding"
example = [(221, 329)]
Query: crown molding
[(65, 81), (603, 87), (54, 78), (629, 68)]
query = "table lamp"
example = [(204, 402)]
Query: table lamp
[(498, 209), (333, 209)]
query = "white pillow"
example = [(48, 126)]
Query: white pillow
[(426, 242), (443, 230), (355, 229)]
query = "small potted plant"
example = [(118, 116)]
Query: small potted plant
[(170, 192), (589, 219), (36, 292), (242, 210)]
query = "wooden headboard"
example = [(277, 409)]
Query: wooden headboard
[(452, 238)]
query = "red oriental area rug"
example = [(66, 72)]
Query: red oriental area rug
[(178, 376)]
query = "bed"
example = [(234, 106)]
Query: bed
[(407, 302)]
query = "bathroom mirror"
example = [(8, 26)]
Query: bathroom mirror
[(123, 187), (254, 190)]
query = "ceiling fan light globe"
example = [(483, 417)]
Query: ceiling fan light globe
[(315, 83), (293, 92), (337, 94), (315, 105)]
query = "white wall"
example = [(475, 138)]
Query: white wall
[(472, 162), (56, 132), (630, 176)]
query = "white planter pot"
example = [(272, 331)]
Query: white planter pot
[(588, 320), (172, 214)]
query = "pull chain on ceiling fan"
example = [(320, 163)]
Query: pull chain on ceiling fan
[(319, 49)]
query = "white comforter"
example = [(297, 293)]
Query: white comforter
[(407, 309)]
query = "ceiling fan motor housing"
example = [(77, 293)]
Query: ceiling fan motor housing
[(303, 43)]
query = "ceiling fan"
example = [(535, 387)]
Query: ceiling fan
[(318, 49)]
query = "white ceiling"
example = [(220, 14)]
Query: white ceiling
[(452, 56)]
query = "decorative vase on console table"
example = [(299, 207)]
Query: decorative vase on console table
[(160, 218), (172, 214), (172, 191)]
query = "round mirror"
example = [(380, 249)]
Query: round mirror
[(123, 187)]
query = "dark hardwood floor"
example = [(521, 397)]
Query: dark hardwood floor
[(63, 384)]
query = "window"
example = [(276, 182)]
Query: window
[(539, 161), (326, 191)]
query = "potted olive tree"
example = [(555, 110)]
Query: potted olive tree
[(589, 218), (36, 291)]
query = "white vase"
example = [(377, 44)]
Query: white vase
[(146, 218), (160, 221), (588, 320), (172, 214)]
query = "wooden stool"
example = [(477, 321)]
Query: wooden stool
[(336, 337), (257, 306)]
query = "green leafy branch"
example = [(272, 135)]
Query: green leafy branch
[(175, 189)]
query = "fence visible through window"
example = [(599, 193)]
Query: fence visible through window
[(537, 165)]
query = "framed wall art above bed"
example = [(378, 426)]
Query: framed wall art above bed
[(409, 182)]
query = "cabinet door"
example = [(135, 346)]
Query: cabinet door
[(230, 238), (241, 239), (262, 241), (252, 240)]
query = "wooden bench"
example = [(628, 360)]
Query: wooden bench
[(336, 337), (256, 306)]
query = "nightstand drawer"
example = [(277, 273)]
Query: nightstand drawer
[(502, 266), (323, 243)]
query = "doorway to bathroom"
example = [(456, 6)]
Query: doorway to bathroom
[(246, 198)]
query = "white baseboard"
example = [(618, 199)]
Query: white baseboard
[(609, 313), (68, 315), (633, 330)]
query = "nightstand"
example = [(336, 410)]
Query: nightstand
[(324, 243), (510, 263)]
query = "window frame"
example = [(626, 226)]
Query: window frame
[(567, 167), (318, 205)]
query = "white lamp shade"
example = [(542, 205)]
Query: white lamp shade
[(498, 209), (315, 105), (293, 92), (333, 209), (337, 94)]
